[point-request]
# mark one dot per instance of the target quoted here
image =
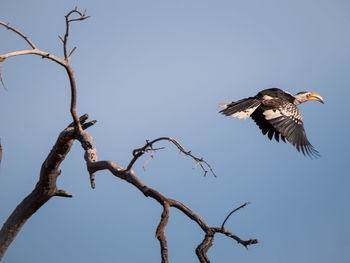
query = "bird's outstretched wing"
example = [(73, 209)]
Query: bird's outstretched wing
[(287, 120), (265, 126), (241, 108)]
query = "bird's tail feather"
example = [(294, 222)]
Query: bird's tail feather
[(241, 108)]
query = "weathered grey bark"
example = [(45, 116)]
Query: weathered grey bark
[(44, 189), (129, 175), (203, 247)]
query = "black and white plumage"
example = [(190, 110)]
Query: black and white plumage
[(276, 114)]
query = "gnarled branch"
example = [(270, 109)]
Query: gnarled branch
[(43, 191), (203, 247), (160, 235), (137, 153), (129, 175)]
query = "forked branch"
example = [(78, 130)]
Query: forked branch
[(129, 175), (137, 153), (234, 210), (65, 63), (44, 189), (81, 16)]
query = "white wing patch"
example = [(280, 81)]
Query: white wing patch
[(272, 114), (223, 105), (245, 113), (288, 110), (267, 97)]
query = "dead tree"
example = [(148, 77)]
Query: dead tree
[(46, 187)]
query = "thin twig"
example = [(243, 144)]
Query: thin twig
[(227, 217), (82, 16), (61, 38), (19, 33), (71, 53), (64, 63), (137, 153), (227, 233), (151, 155), (2, 82), (62, 193), (44, 190)]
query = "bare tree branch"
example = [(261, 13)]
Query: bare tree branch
[(2, 82), (227, 217), (63, 193), (160, 235), (33, 52), (208, 241), (19, 33), (46, 187), (244, 243), (61, 38), (137, 153), (129, 175), (43, 191), (82, 16), (203, 247), (71, 53), (151, 155), (64, 63)]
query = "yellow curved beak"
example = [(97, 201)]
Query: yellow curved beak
[(315, 96)]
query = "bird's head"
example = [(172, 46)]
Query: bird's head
[(305, 96)]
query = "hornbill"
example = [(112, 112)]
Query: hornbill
[(275, 112)]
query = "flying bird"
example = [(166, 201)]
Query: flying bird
[(275, 112)]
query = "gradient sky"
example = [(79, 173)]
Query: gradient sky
[(148, 68)]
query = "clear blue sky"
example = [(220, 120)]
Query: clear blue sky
[(146, 69)]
